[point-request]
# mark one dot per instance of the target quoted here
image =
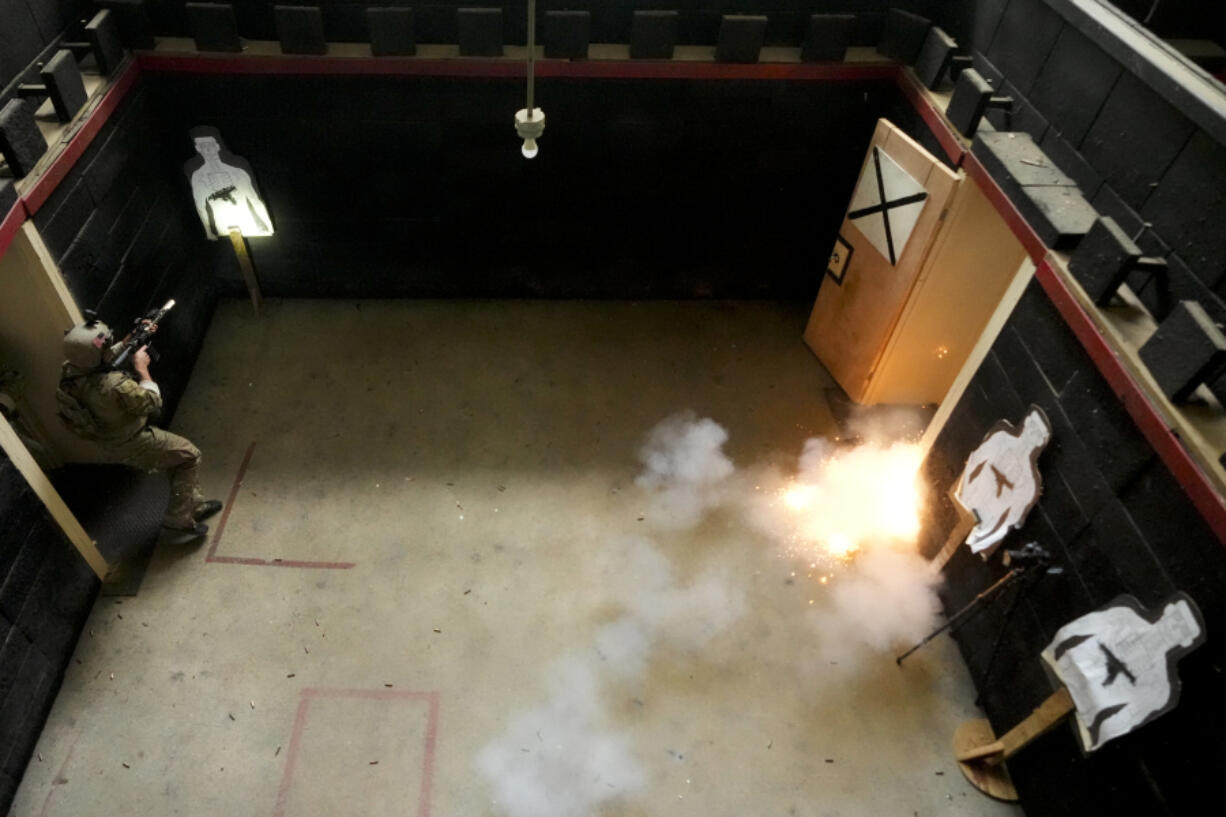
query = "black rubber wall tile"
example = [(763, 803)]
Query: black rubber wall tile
[(1073, 84), (1026, 34), (1134, 140), (1068, 159), (1188, 207), (20, 39)]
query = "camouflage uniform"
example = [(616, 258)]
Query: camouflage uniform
[(113, 410)]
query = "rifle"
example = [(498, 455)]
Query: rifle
[(141, 334)]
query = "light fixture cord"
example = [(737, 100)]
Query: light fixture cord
[(531, 52)]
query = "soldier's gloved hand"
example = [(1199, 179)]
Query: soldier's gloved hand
[(140, 362)]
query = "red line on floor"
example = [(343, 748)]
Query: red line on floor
[(212, 556), (225, 514), (254, 562), (59, 775), (291, 755), (369, 694), (427, 761), (300, 717)]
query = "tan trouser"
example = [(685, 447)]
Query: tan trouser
[(153, 449)]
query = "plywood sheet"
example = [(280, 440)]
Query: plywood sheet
[(972, 262), (852, 320)]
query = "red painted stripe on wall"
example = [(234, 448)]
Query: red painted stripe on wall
[(505, 68), (1153, 425), (42, 189), (10, 225), (1021, 228), (944, 132), (1191, 478)]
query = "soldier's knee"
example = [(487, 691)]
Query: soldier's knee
[(184, 456)]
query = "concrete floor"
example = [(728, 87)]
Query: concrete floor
[(439, 590)]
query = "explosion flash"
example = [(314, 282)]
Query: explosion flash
[(845, 500)]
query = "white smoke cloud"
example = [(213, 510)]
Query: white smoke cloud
[(567, 757), (684, 468), (885, 600), (563, 758), (680, 616), (848, 515), (886, 425)]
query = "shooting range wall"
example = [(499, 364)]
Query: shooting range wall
[(29, 28), (1111, 512), (414, 186), (122, 229), (435, 22), (1117, 522), (46, 590)]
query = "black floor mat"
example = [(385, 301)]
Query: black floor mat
[(121, 509)]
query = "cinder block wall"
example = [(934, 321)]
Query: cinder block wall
[(415, 186), (1116, 131), (46, 590), (1117, 522), (122, 228), (344, 20), (1111, 512), (27, 28), (698, 24)]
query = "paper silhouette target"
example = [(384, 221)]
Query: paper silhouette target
[(1119, 664), (1001, 481), (886, 205), (223, 189)]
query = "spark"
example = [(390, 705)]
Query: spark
[(852, 499), (799, 496)]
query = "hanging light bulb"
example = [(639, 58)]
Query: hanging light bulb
[(530, 120), (529, 127)]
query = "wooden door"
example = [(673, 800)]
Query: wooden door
[(875, 267)]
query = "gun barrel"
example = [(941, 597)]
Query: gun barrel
[(161, 313)]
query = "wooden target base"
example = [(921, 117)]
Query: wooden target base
[(981, 755), (990, 778)]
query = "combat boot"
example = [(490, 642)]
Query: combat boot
[(206, 509), (184, 536)]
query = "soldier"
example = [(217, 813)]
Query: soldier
[(113, 409)]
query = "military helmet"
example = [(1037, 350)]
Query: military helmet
[(85, 342)]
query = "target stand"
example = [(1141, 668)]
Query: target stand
[(981, 755)]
